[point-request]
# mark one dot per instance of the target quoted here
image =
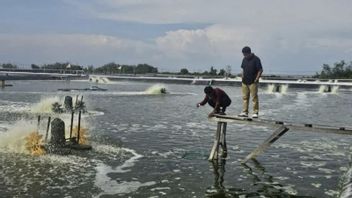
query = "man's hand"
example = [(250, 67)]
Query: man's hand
[(198, 105)]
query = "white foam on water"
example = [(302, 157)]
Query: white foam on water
[(332, 193), (314, 164), (317, 185), (153, 90), (346, 191), (64, 159), (94, 113), (10, 106), (326, 170), (111, 187), (111, 151), (164, 155)]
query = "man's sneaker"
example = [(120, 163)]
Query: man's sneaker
[(222, 113), (255, 115), (243, 114)]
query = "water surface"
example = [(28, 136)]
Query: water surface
[(147, 145)]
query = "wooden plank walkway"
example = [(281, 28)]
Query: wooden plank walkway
[(282, 128), (306, 127)]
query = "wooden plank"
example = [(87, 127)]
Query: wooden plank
[(266, 144), (308, 127)]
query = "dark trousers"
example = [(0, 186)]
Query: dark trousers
[(224, 103)]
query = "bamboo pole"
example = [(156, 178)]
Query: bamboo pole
[(38, 122), (72, 115), (47, 129), (79, 126)]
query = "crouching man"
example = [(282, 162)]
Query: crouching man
[(216, 98)]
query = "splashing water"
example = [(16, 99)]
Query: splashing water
[(34, 144), (273, 88), (155, 89), (284, 89), (335, 89), (102, 80), (14, 140), (45, 105), (328, 89)]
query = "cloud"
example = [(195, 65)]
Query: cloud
[(215, 45), (257, 12), (77, 48), (289, 36)]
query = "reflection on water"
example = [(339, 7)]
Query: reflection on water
[(218, 188), (262, 184)]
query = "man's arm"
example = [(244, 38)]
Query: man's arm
[(259, 74), (205, 100), (260, 70)]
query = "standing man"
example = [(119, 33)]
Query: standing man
[(251, 72)]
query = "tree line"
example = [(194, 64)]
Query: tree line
[(340, 70), (226, 72), (114, 68), (110, 68)]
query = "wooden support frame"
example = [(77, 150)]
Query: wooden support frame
[(283, 127), (266, 144)]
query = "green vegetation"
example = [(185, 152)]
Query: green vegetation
[(8, 66), (113, 68), (341, 70), (61, 66), (211, 73), (57, 66)]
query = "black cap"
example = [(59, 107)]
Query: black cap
[(246, 50), (208, 90)]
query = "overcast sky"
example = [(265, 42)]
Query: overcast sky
[(290, 36)]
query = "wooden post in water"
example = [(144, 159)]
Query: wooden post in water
[(79, 126), (220, 140), (223, 140), (38, 123), (214, 151), (76, 101), (72, 115), (47, 129)]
